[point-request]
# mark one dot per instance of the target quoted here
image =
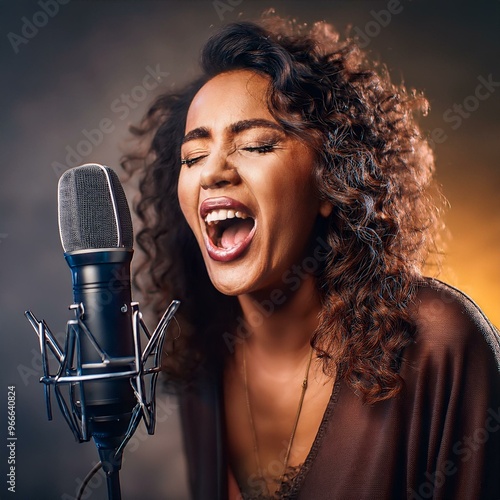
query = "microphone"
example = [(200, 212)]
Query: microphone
[(96, 234), (101, 363)]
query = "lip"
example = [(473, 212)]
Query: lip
[(222, 202), (226, 254)]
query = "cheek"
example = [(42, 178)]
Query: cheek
[(188, 198), (293, 193)]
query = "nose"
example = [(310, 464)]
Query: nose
[(218, 172)]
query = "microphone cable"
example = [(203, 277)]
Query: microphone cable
[(97, 467)]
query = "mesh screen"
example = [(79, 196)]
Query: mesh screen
[(87, 218)]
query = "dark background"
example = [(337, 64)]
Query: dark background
[(67, 78)]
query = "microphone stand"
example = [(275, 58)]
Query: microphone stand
[(111, 465), (110, 436)]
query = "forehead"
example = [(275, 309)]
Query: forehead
[(229, 97)]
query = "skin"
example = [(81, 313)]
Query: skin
[(276, 186), (271, 173)]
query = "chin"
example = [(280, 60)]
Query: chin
[(230, 287), (233, 280)]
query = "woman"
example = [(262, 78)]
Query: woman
[(285, 201)]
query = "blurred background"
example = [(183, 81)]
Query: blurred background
[(70, 68)]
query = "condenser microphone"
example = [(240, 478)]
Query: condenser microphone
[(96, 234), (110, 380)]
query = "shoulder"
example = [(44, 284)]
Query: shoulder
[(451, 392), (455, 353), (449, 323), (446, 318)]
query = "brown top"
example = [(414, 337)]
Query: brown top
[(440, 438)]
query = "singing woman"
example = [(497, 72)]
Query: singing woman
[(287, 199)]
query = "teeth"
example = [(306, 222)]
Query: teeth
[(217, 215)]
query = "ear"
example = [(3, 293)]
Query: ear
[(325, 208)]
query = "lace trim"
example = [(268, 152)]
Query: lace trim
[(294, 476), (283, 491)]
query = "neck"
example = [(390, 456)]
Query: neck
[(280, 324)]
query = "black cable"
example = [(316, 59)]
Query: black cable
[(87, 479)]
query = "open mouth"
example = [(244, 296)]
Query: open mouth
[(227, 228), (229, 231)]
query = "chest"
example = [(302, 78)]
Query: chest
[(271, 424)]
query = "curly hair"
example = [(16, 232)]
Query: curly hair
[(373, 165)]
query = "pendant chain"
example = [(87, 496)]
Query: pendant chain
[(296, 422)]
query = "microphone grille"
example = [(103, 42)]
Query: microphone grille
[(93, 210)]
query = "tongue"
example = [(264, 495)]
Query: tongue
[(236, 233)]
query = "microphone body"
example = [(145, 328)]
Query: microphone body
[(101, 284)]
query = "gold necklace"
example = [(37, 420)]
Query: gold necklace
[(294, 429)]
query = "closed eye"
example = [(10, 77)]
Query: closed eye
[(264, 148), (191, 161)]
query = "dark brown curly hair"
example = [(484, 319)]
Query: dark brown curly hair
[(373, 165)]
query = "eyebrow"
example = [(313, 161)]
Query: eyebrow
[(235, 128), (197, 133)]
